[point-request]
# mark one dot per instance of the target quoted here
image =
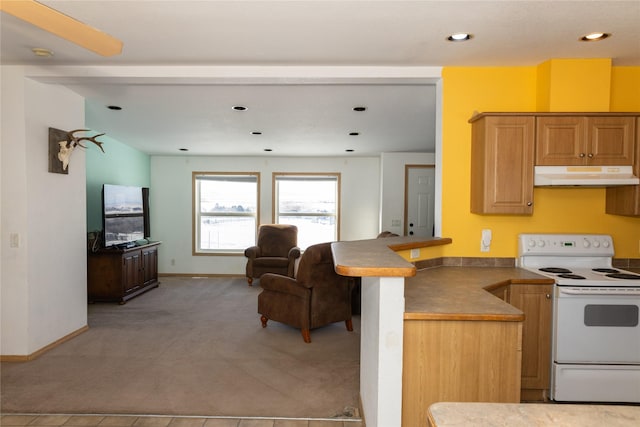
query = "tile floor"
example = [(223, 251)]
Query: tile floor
[(14, 420)]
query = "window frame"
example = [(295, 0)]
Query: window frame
[(336, 176), (196, 214)]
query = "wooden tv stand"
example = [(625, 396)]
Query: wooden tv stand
[(117, 275)]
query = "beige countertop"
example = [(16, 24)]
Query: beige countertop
[(459, 293), (376, 257), (459, 414)]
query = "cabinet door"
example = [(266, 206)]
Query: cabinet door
[(131, 269), (535, 303), (610, 140), (502, 153), (150, 265), (560, 141), (625, 200)]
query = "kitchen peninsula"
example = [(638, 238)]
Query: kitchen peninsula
[(382, 316), (462, 341), (423, 333)]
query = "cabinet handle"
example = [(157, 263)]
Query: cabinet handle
[(548, 296), (581, 155), (529, 203), (590, 155)]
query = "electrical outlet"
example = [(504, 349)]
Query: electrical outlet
[(415, 253), (173, 261), (14, 240)]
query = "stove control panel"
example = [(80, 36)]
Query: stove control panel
[(578, 245)]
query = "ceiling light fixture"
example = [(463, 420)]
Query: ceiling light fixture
[(359, 108), (239, 108), (42, 52), (183, 149), (255, 132), (349, 150), (459, 37), (594, 37), (354, 133), (268, 149), (114, 107)]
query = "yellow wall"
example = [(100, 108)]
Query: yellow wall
[(581, 210), (574, 85)]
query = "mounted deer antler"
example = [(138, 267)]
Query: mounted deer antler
[(66, 147)]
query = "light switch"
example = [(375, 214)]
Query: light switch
[(485, 241)]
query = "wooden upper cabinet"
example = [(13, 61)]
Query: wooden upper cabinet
[(625, 200), (502, 154), (585, 140)]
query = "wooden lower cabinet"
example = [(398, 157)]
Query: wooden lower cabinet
[(535, 301), (117, 275), (459, 361)]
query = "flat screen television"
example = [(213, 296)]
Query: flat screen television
[(123, 216)]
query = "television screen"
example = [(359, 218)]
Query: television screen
[(123, 230), (123, 215)]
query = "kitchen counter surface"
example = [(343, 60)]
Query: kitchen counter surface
[(461, 293), (376, 257), (450, 414)]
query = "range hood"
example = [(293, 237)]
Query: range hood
[(587, 176)]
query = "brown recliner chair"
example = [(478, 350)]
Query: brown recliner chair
[(276, 251), (318, 295)]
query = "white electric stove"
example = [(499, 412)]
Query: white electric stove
[(596, 331)]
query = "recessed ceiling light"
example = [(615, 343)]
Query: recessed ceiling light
[(256, 132), (239, 108), (114, 107), (460, 37), (268, 149), (594, 37), (183, 149), (359, 108), (354, 133), (42, 52)]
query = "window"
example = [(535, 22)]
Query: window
[(311, 202), (225, 211)]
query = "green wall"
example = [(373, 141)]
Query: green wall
[(119, 164)]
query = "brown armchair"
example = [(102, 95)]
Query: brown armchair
[(316, 297), (276, 251)]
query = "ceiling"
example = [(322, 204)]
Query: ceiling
[(300, 66)]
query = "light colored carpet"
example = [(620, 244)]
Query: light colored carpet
[(193, 346)]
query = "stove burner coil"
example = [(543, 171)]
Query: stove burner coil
[(572, 276), (555, 270), (605, 270), (626, 276)]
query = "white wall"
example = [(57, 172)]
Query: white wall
[(44, 278), (392, 187), (171, 207)]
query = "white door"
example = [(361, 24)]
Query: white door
[(419, 200)]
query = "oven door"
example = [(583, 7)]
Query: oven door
[(596, 326)]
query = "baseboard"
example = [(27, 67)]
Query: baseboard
[(43, 350), (197, 275), (364, 422)]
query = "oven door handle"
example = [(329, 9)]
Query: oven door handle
[(599, 291)]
